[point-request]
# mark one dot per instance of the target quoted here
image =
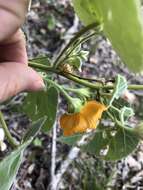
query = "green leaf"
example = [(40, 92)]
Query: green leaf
[(120, 87), (125, 114), (76, 62), (84, 55), (77, 57), (123, 25), (40, 104), (83, 9), (10, 165), (71, 140), (37, 142), (51, 22), (34, 129), (114, 146)]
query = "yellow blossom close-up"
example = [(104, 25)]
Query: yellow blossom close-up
[(87, 118)]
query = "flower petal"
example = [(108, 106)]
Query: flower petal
[(92, 111), (82, 125), (87, 118), (73, 123), (69, 121)]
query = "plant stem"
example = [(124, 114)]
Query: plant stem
[(60, 88), (78, 80), (7, 133), (114, 108), (88, 79), (41, 67), (97, 86), (119, 123), (124, 126)]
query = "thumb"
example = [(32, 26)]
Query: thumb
[(15, 78)]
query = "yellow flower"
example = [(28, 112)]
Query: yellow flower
[(87, 118)]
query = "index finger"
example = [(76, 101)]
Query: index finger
[(12, 14)]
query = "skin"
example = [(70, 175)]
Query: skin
[(15, 75)]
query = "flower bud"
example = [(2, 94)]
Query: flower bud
[(75, 105), (84, 92)]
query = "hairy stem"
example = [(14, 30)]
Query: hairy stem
[(60, 88), (82, 82)]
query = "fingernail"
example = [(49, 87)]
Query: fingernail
[(39, 85)]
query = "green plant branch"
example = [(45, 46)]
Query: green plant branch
[(95, 34), (76, 45), (88, 79), (97, 86), (7, 133), (73, 40), (82, 82)]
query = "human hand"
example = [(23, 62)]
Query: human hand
[(15, 75)]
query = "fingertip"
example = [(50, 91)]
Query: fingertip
[(35, 82), (38, 86)]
